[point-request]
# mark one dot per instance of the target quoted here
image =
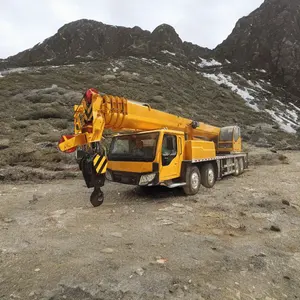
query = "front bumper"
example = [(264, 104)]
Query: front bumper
[(130, 178)]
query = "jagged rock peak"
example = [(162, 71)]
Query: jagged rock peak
[(268, 38), (86, 39), (164, 37), (168, 29)]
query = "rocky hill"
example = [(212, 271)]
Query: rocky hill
[(86, 40), (268, 38), (39, 86)]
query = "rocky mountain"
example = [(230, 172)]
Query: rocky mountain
[(86, 40), (268, 38)]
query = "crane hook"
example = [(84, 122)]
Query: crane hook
[(97, 197)]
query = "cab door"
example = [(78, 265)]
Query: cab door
[(171, 157)]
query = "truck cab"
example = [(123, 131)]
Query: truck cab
[(159, 157), (145, 158)]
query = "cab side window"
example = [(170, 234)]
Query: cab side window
[(169, 149)]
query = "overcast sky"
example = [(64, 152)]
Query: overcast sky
[(24, 23)]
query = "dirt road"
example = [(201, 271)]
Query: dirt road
[(239, 240)]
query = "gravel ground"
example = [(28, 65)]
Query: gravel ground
[(239, 240)]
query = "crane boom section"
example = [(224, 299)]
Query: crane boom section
[(98, 112)]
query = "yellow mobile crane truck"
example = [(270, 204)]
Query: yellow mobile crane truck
[(160, 148)]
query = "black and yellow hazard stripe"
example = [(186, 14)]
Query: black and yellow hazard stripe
[(88, 111), (100, 163)]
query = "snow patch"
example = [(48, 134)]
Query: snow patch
[(120, 63), (296, 107), (279, 102), (251, 83), (258, 86), (255, 85), (116, 66), (171, 66), (151, 61), (14, 70), (239, 75), (208, 63), (55, 66), (293, 115), (287, 119), (227, 80), (280, 121), (261, 70), (265, 82), (168, 52), (227, 61), (31, 69)]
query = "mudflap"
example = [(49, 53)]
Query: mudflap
[(92, 179)]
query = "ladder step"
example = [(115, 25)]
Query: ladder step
[(175, 185)]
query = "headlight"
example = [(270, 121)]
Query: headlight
[(108, 175), (145, 179)]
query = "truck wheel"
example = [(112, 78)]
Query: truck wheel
[(208, 176), (237, 170), (241, 165), (193, 180)]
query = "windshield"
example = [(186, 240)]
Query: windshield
[(134, 147), (226, 134)]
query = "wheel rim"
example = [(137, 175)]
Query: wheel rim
[(211, 177), (236, 167), (195, 181), (242, 165)]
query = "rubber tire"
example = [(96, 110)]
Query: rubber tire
[(97, 198), (241, 165), (188, 189), (205, 169), (237, 168)]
